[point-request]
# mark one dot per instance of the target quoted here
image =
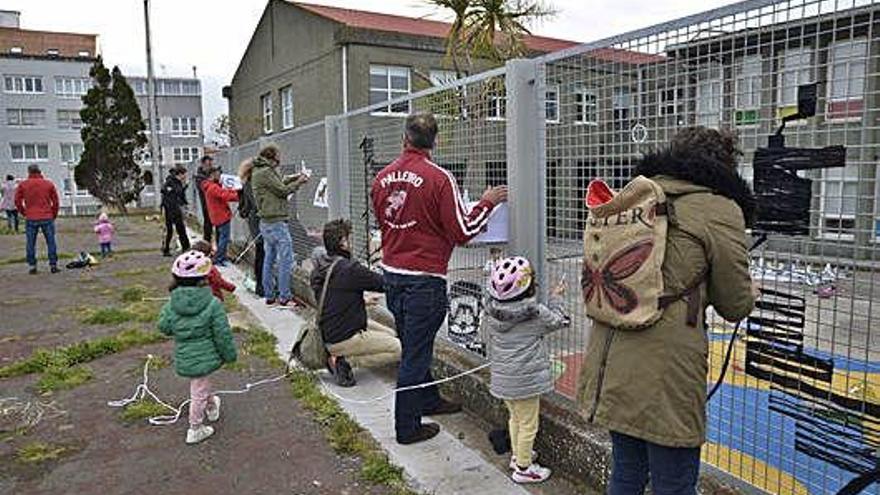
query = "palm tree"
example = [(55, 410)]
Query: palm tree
[(490, 29)]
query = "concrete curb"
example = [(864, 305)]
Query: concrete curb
[(442, 466)]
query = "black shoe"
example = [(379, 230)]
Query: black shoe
[(425, 432), (54, 269), (166, 253), (33, 270), (344, 374), (444, 407)]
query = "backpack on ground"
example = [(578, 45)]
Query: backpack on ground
[(309, 349), (624, 249)]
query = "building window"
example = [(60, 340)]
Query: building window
[(190, 88), (840, 189), (23, 84), (847, 64), (266, 104), (158, 125), (387, 83), (710, 96), (286, 107), (69, 119), (29, 152), (671, 102), (795, 69), (551, 105), (586, 109), (71, 153), (25, 117), (186, 154), (497, 108), (621, 103), (748, 90), (72, 87), (184, 126)]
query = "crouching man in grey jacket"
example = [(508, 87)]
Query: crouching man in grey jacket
[(520, 368)]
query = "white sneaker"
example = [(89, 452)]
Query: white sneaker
[(199, 433), (532, 474), (213, 409), (513, 459)]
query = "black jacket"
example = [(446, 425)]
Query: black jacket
[(345, 313), (173, 195), (247, 209), (199, 177)]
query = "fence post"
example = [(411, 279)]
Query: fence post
[(337, 162), (526, 164)]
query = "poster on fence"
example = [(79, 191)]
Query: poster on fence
[(321, 194), (497, 230), (230, 181)]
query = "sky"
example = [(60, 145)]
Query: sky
[(212, 35)]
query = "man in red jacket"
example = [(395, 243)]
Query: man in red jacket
[(422, 218), (218, 198), (37, 200)]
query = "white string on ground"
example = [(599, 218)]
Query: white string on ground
[(26, 414), (247, 248), (143, 390), (388, 394)]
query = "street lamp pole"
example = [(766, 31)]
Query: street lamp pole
[(155, 157)]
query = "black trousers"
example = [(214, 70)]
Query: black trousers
[(207, 228), (259, 255), (173, 221)]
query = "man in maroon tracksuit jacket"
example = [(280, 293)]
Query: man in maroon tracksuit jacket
[(37, 200), (422, 218)]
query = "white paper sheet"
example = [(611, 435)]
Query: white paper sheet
[(498, 229)]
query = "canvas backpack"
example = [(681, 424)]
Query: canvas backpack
[(624, 249)]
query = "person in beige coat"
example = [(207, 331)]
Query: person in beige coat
[(648, 387)]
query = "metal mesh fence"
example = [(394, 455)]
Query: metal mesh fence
[(471, 145), (797, 414)]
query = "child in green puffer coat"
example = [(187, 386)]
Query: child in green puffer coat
[(203, 340)]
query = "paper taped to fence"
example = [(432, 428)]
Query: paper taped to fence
[(230, 181), (321, 194), (499, 225)]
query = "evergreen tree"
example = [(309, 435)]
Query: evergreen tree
[(113, 139)]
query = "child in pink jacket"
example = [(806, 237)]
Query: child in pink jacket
[(104, 229)]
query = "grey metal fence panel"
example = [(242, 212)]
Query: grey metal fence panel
[(799, 416)]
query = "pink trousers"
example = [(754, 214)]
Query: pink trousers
[(199, 395)]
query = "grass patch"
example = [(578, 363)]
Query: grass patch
[(38, 452), (347, 437), (5, 230), (43, 360), (260, 343), (141, 311), (231, 304), (63, 378), (136, 272), (134, 293), (141, 410), (108, 316)]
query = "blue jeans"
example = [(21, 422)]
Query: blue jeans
[(106, 249), (12, 219), (223, 232), (31, 228), (673, 471), (279, 248), (419, 305)]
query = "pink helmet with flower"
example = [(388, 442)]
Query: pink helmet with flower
[(511, 277), (191, 264)]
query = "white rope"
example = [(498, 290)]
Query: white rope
[(143, 390), (401, 389), (247, 248)]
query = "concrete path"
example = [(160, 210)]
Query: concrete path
[(441, 466)]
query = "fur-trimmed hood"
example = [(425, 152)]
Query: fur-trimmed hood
[(704, 172)]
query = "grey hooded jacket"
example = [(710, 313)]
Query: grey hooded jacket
[(520, 358)]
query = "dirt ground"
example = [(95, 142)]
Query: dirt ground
[(265, 441)]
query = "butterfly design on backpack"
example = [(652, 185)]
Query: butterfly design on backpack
[(607, 279)]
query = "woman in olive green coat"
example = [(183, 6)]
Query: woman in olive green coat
[(649, 387)]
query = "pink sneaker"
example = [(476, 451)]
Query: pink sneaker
[(532, 474)]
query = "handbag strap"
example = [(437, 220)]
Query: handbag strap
[(324, 290)]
